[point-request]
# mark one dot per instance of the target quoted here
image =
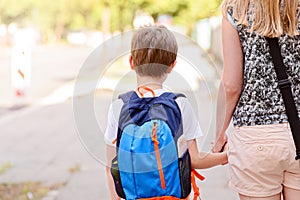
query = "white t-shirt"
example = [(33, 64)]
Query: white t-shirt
[(191, 127)]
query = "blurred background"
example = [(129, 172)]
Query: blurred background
[(43, 47), (54, 21), (32, 28)]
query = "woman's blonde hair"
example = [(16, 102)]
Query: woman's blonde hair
[(270, 18)]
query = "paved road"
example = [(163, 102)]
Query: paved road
[(52, 66), (42, 144)]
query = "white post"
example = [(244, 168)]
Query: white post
[(20, 72), (21, 64)]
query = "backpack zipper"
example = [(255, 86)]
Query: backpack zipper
[(157, 154)]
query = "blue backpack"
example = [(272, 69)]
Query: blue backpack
[(147, 164)]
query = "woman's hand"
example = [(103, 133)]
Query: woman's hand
[(225, 150), (219, 144)]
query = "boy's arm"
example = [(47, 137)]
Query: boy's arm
[(109, 136), (110, 154), (202, 160)]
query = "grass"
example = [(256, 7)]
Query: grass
[(26, 191), (74, 169), (5, 167)]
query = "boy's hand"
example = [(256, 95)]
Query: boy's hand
[(224, 151), (225, 162)]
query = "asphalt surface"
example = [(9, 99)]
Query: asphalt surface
[(42, 142)]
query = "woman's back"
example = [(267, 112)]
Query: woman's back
[(260, 102), (261, 150)]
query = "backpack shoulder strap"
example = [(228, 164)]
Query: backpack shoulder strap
[(127, 96), (179, 95), (172, 95)]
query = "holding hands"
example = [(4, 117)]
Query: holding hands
[(220, 146)]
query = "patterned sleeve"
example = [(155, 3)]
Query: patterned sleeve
[(230, 18)]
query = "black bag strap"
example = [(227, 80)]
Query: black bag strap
[(284, 85)]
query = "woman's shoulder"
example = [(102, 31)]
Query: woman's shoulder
[(230, 17)]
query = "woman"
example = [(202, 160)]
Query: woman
[(261, 149)]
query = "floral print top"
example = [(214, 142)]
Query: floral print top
[(260, 102)]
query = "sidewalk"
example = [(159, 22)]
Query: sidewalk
[(55, 155), (51, 67), (40, 143)]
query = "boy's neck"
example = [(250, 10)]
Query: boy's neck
[(151, 82)]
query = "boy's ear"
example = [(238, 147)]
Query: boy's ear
[(172, 66), (131, 62)]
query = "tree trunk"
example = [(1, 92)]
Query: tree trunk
[(106, 20)]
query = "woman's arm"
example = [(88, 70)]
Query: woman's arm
[(203, 160), (231, 82)]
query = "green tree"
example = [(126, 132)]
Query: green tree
[(14, 10), (174, 8), (56, 18), (184, 12)]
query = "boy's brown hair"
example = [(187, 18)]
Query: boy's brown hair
[(153, 50)]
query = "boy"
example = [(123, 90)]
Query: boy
[(153, 56)]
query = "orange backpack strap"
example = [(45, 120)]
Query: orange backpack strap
[(146, 89), (194, 185), (164, 198)]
